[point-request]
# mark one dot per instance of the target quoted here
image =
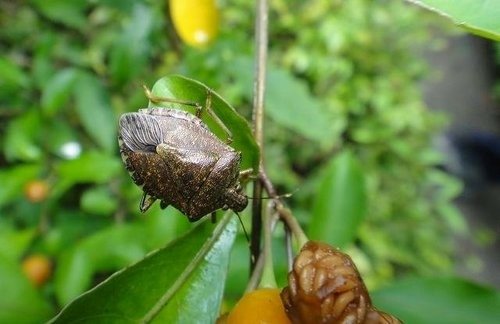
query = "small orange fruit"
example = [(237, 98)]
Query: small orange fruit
[(259, 306), (37, 268), (36, 190), (196, 21)]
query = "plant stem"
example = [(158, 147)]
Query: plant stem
[(284, 213), (268, 280), (291, 225), (260, 71), (261, 23)]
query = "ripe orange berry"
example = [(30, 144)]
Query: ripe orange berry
[(36, 190), (37, 268), (196, 21), (259, 306)]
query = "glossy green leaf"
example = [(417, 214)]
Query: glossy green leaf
[(20, 302), (480, 17), (439, 300), (340, 202), (94, 109), (180, 283), (182, 88), (57, 91)]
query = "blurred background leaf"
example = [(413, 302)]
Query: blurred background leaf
[(340, 204), (443, 300), (94, 109), (20, 302)]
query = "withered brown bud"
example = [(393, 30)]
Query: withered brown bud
[(325, 287)]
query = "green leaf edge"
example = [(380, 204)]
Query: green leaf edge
[(191, 267), (471, 28), (202, 252)]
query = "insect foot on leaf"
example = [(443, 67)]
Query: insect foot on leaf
[(174, 157)]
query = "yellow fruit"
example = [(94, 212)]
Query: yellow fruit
[(37, 268), (259, 307), (196, 21), (36, 190)]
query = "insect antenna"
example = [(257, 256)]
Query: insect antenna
[(243, 226), (287, 195)]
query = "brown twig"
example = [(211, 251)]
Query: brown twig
[(284, 213), (261, 23), (290, 222)]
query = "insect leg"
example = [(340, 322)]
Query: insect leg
[(199, 109), (247, 173), (208, 109), (146, 202), (157, 99)]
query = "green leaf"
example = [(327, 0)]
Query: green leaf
[(13, 77), (113, 248), (290, 104), (180, 283), (94, 109), (182, 88), (340, 203), (127, 61), (22, 138), (439, 300), (98, 201), (73, 275), (107, 250), (61, 139), (14, 179), (57, 91), (91, 167), (72, 14), (480, 17), (13, 243), (20, 302)]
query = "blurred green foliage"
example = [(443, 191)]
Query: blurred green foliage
[(343, 76)]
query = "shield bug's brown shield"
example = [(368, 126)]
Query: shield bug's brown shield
[(175, 158)]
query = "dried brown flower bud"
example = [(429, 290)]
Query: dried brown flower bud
[(325, 287)]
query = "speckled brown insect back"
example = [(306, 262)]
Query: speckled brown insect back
[(175, 158)]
